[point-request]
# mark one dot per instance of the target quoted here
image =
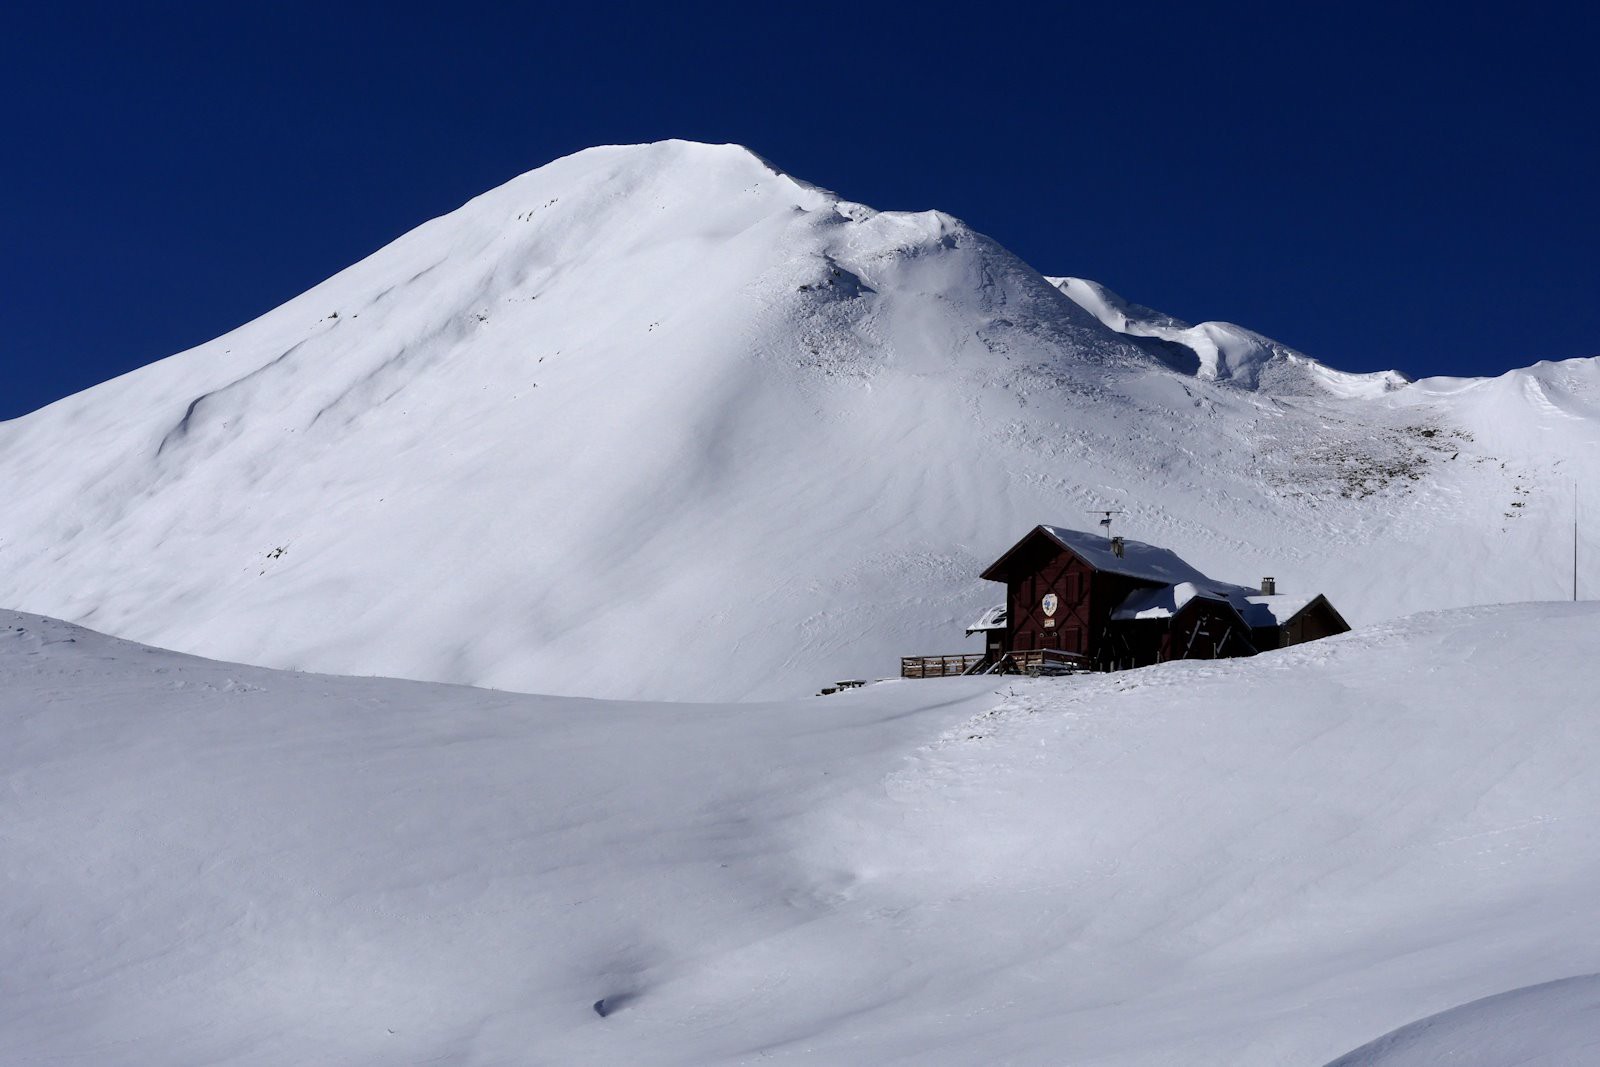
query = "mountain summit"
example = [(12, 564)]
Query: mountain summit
[(661, 420)]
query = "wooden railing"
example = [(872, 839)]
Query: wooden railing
[(1042, 661), (938, 666), (1030, 661)]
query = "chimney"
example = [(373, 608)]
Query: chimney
[(1116, 547), (1269, 587)]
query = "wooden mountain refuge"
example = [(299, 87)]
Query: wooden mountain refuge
[(1078, 601)]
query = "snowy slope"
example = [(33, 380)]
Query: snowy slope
[(1221, 351), (1255, 862), (1548, 1025), (661, 421)]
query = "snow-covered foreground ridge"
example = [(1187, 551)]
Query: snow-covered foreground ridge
[(662, 421), (1268, 861)]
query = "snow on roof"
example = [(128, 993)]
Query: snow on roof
[(993, 619), (1163, 602), (1138, 560), (1258, 610), (1262, 610)]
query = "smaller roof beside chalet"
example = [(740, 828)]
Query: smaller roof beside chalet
[(993, 619), (1276, 610), (1281, 609), (1258, 611), (1162, 602)]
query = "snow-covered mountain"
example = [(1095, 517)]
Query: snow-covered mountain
[(664, 421), (1246, 862), (1221, 351)]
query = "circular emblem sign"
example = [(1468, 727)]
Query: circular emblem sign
[(1050, 603)]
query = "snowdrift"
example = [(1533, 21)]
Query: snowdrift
[(663, 421), (1547, 1025), (1251, 862)]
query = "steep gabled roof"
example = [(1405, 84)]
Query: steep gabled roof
[(1138, 560)]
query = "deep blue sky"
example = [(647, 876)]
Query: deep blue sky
[(1374, 187)]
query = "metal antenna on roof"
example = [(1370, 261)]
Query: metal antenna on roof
[(1106, 518)]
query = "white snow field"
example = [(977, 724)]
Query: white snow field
[(1270, 862), (662, 421), (1555, 1024)]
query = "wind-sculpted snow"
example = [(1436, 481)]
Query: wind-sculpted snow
[(1249, 862), (1221, 351), (663, 421)]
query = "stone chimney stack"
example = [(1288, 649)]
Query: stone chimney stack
[(1269, 586), (1116, 547)]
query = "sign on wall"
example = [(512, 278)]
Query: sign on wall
[(1050, 603)]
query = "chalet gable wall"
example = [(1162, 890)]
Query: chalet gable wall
[(1041, 568), (1315, 621)]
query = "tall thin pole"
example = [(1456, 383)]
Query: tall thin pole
[(1574, 540)]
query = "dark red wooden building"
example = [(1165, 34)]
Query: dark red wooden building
[(1112, 603)]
